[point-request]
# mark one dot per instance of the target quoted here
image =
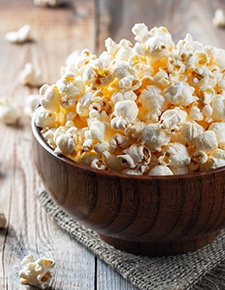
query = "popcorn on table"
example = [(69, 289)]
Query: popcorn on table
[(219, 18), (31, 102), (149, 108), (30, 75), (36, 272), (20, 36), (9, 113)]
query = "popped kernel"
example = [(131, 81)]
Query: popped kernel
[(9, 113), (219, 18), (125, 113), (30, 76), (217, 158), (206, 141), (31, 103), (219, 129), (151, 107), (20, 36), (154, 137), (153, 101), (180, 93), (173, 119), (44, 118), (36, 272), (175, 155)]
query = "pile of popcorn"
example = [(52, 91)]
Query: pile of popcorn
[(148, 108)]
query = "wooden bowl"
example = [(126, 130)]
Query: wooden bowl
[(146, 215)]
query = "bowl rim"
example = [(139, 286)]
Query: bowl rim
[(38, 136)]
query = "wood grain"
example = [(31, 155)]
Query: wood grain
[(77, 24), (141, 214)]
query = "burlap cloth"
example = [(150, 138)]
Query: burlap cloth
[(200, 270)]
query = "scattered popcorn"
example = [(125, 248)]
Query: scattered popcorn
[(219, 18), (149, 108), (30, 76), (36, 273), (51, 3), (31, 102), (2, 220), (9, 113), (20, 36)]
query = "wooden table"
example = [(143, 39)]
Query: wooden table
[(77, 24)]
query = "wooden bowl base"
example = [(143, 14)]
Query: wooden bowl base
[(154, 249)]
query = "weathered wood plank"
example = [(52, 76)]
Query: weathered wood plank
[(56, 33)]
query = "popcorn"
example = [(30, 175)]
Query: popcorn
[(206, 141), (156, 43), (135, 157), (2, 220), (180, 93), (30, 75), (97, 130), (153, 101), (154, 137), (20, 36), (174, 155), (31, 102), (173, 119), (64, 144), (160, 170), (36, 273), (9, 113), (190, 130), (44, 118), (219, 129), (219, 18), (218, 108), (125, 113), (149, 108), (216, 158), (51, 3)]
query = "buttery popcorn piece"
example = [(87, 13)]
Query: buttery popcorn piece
[(9, 113), (125, 113), (2, 220), (151, 107), (31, 102), (180, 93), (219, 129), (36, 273), (206, 141), (20, 36), (174, 155), (154, 137), (44, 118), (173, 119), (30, 76)]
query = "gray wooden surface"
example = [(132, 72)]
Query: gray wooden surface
[(77, 24)]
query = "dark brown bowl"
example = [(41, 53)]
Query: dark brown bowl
[(158, 215)]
